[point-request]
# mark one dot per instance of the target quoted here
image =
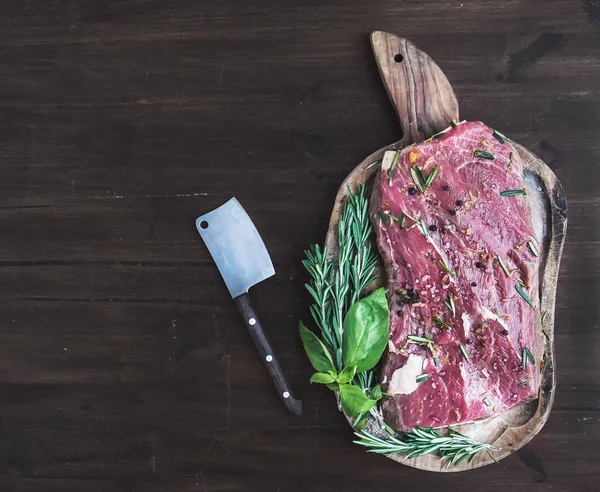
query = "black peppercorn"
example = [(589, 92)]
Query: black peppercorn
[(473, 284), (400, 312), (446, 188), (479, 264), (433, 228), (505, 332), (412, 190), (469, 341), (459, 203), (452, 212)]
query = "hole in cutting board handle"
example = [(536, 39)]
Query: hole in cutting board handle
[(204, 224), (398, 58)]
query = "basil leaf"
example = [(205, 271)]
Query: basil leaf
[(347, 374), (354, 400), (322, 378), (333, 386), (315, 349), (366, 331), (376, 393)]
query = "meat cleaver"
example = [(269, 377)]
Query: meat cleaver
[(243, 260)]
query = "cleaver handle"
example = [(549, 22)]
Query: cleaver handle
[(269, 359)]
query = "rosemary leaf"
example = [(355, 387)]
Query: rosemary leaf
[(523, 383), (442, 323), (544, 314), (431, 176), (422, 377), (452, 124), (424, 340), (385, 218), (445, 267), (524, 295), (498, 136), (513, 192), (464, 351), (533, 248), (483, 155), (450, 305), (373, 164), (416, 179), (393, 167), (526, 355), (503, 265)]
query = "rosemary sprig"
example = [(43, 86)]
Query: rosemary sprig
[(337, 285), (483, 155), (513, 192), (424, 340), (524, 295), (450, 305), (455, 447)]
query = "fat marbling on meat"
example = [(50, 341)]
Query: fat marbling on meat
[(445, 246)]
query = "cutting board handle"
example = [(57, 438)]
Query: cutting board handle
[(417, 87)]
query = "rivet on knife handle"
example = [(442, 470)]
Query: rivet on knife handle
[(267, 354)]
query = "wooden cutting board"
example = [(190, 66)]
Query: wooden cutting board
[(425, 104)]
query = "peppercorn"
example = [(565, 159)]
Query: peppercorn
[(459, 203), (400, 312), (469, 341), (452, 212), (446, 188), (505, 332), (433, 228), (473, 284), (412, 190), (479, 264)]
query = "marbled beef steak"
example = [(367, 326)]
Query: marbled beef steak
[(459, 273)]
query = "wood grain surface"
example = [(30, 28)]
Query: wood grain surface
[(124, 365)]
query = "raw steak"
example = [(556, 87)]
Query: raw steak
[(443, 246)]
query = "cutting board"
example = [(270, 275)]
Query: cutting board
[(425, 104)]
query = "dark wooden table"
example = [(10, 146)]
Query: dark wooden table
[(124, 366)]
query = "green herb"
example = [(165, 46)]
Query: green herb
[(453, 448), (526, 355), (442, 323), (445, 267), (524, 295), (365, 331), (385, 218), (393, 167), (422, 377), (510, 160), (483, 155), (423, 228), (436, 361), (521, 283), (420, 174), (452, 124), (450, 305), (424, 340), (409, 216), (354, 400), (394, 218), (347, 374), (544, 364), (464, 351), (322, 378), (523, 383), (544, 314), (503, 265), (438, 135), (317, 352), (416, 179), (533, 248), (513, 192), (373, 164), (498, 136), (487, 402), (432, 176)]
